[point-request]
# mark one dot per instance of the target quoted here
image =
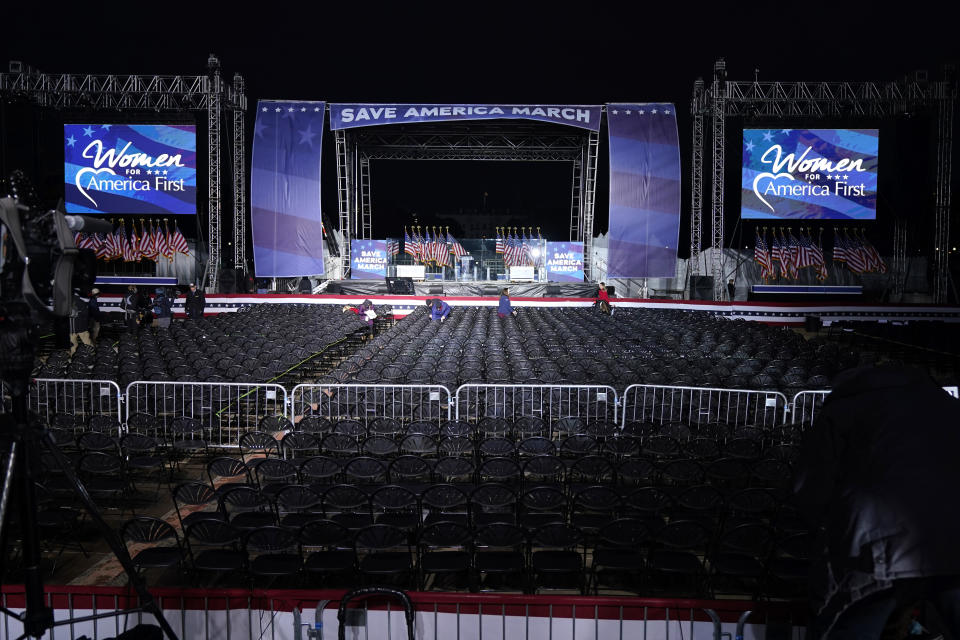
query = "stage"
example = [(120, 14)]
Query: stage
[(468, 289)]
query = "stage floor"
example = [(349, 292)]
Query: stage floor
[(465, 289)]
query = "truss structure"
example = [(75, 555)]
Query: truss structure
[(153, 93), (239, 174), (729, 98), (355, 149)]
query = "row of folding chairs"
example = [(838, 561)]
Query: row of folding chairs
[(680, 558)]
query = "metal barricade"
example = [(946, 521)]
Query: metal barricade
[(366, 402), (593, 403), (79, 398), (254, 614), (224, 409), (805, 406), (699, 405)]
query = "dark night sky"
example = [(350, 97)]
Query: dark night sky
[(632, 53)]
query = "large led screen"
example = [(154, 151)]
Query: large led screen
[(809, 174), (148, 169)]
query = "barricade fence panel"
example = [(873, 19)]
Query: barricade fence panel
[(367, 402), (805, 406), (592, 403), (695, 405), (292, 615), (222, 410), (81, 399)]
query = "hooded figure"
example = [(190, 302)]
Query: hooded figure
[(876, 474)]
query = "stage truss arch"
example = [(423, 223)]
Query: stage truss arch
[(755, 99), (517, 142)]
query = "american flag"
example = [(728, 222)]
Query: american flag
[(776, 255), (761, 256), (811, 255), (500, 242), (427, 248), (162, 243), (797, 255), (525, 250), (408, 247), (440, 253), (456, 247), (105, 250), (514, 250), (839, 248), (148, 243), (178, 242), (875, 260), (856, 259), (393, 247)]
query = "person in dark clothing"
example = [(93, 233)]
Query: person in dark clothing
[(306, 286), (132, 307), (504, 309), (875, 474), (162, 309), (731, 289), (96, 316), (195, 303), (79, 324), (439, 310)]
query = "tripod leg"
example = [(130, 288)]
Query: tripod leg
[(118, 548)]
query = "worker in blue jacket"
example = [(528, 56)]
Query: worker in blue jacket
[(439, 310)]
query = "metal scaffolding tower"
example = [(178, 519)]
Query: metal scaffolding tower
[(729, 98), (366, 209), (344, 191), (718, 121), (214, 105), (941, 240), (589, 200), (696, 177), (239, 103), (147, 93)]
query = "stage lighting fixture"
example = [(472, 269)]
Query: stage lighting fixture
[(535, 253)]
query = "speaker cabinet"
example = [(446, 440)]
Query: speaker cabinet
[(401, 286), (228, 281), (552, 291), (701, 287), (435, 290)]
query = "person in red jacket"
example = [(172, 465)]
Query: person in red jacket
[(603, 299)]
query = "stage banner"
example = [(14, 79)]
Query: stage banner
[(644, 190), (285, 189), (347, 116), (368, 259), (565, 261), (147, 169)]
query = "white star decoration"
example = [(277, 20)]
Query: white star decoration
[(278, 109), (264, 108)]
